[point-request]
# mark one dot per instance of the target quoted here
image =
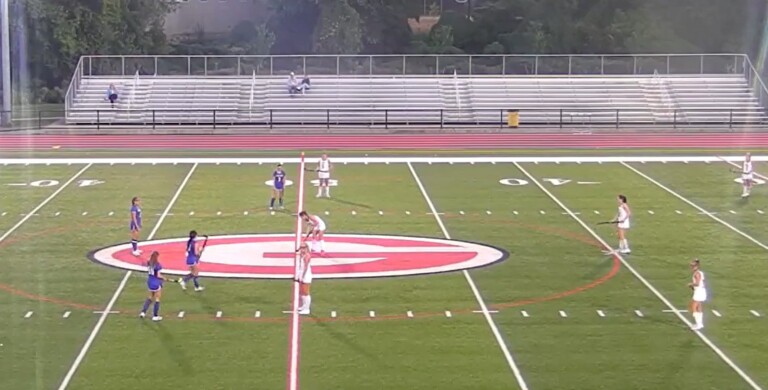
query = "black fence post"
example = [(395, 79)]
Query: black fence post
[(501, 119), (98, 119), (328, 118), (561, 118), (39, 119), (214, 119), (674, 119), (154, 119), (386, 119), (441, 118), (270, 118), (730, 119), (617, 118)]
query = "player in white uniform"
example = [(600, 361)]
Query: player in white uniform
[(699, 294), (324, 175), (747, 175), (622, 223), (304, 277), (315, 229)]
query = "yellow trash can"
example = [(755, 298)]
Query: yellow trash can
[(513, 118)]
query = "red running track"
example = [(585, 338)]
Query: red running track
[(391, 141)]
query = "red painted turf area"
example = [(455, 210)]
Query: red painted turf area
[(388, 141)]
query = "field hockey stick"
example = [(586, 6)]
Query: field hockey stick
[(311, 169), (607, 222), (205, 242)]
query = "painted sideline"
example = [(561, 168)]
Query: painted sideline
[(483, 307), (374, 160), (108, 309), (645, 282), (292, 382)]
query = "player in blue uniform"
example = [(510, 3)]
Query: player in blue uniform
[(278, 186), (135, 225), (193, 258), (155, 286)]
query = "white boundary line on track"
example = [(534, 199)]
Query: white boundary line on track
[(694, 205), (475, 291), (103, 317), (293, 338), (373, 160), (43, 203), (647, 284)]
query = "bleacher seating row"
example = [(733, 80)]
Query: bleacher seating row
[(420, 100)]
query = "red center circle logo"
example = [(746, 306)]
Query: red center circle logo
[(271, 256)]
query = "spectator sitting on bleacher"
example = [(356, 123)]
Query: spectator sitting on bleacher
[(293, 84), (112, 95), (305, 84)]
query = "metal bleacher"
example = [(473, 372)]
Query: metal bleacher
[(730, 97)]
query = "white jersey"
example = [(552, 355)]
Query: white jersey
[(324, 169), (700, 291), (747, 170), (316, 223), (304, 271), (623, 218)]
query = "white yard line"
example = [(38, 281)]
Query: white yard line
[(491, 323), (43, 203), (694, 205), (645, 282), (370, 160), (294, 338), (103, 317)]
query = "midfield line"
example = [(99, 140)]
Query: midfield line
[(43, 203), (483, 307), (697, 207), (645, 282), (119, 290)]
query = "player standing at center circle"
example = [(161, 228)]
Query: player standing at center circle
[(324, 176), (278, 186), (315, 229)]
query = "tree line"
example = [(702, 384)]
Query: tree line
[(48, 36)]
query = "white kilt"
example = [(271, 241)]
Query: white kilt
[(624, 224), (700, 295), (305, 278), (320, 227), (747, 176), (323, 175)]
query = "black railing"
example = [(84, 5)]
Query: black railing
[(390, 118)]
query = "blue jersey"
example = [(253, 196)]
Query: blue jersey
[(278, 178), (136, 225), (154, 282), (192, 257)]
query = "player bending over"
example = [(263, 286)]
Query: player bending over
[(747, 176), (324, 176), (316, 230), (155, 286), (699, 294), (278, 186), (135, 225), (622, 224), (193, 259), (304, 277)]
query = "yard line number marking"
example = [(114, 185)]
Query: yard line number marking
[(491, 323), (102, 319), (645, 282)]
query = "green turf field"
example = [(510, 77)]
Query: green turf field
[(557, 313)]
